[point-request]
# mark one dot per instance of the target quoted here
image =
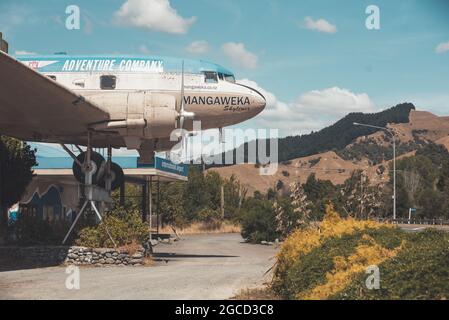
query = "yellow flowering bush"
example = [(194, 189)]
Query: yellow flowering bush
[(347, 268), (303, 241), (318, 261)]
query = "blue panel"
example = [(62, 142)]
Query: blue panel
[(63, 63), (168, 166)]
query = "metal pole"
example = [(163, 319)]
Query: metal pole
[(144, 200), (222, 202), (151, 202), (158, 204), (394, 176)]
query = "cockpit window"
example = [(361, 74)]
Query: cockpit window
[(210, 77), (229, 78)]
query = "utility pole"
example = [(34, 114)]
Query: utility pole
[(222, 202)]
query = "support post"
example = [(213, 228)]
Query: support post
[(151, 202), (222, 202), (158, 203), (144, 200)]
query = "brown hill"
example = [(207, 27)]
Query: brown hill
[(423, 126)]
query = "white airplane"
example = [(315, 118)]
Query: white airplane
[(116, 101)]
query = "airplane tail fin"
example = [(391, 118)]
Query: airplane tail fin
[(3, 44)]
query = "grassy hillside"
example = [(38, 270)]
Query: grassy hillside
[(338, 135)]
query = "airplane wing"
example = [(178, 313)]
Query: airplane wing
[(35, 108)]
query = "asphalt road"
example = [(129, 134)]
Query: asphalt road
[(196, 267)]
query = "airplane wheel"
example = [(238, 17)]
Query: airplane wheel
[(96, 160), (118, 177)]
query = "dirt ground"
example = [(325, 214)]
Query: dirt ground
[(197, 267)]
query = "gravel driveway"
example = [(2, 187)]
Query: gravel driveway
[(196, 267)]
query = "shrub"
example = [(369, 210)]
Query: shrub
[(31, 230), (308, 254), (210, 218), (329, 262), (419, 271), (258, 221), (124, 226)]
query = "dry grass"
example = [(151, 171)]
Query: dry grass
[(148, 262), (204, 228), (131, 248), (263, 293)]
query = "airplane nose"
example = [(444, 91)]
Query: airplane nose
[(258, 101)]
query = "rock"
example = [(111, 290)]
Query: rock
[(102, 261), (137, 255), (264, 242), (109, 261), (103, 250), (72, 256), (134, 261)]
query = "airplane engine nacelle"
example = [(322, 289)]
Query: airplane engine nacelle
[(160, 115)]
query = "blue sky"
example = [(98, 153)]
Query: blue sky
[(311, 74)]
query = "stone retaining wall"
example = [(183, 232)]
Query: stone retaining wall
[(56, 255)]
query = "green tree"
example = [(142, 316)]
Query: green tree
[(196, 196), (259, 220), (320, 193), (235, 195), (16, 162)]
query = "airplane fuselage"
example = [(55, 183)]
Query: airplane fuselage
[(142, 94)]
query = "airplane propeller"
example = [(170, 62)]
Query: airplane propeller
[(182, 113)]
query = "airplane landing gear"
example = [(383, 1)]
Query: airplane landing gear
[(116, 177), (97, 177), (95, 167), (99, 171)]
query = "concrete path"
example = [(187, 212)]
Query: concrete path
[(196, 267)]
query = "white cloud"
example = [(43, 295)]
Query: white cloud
[(155, 15), (320, 25), (442, 47), (313, 110), (24, 53), (198, 47), (336, 101), (239, 55)]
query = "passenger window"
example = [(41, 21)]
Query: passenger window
[(108, 82), (221, 76), (229, 78), (210, 77)]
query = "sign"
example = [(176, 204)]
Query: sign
[(168, 166)]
